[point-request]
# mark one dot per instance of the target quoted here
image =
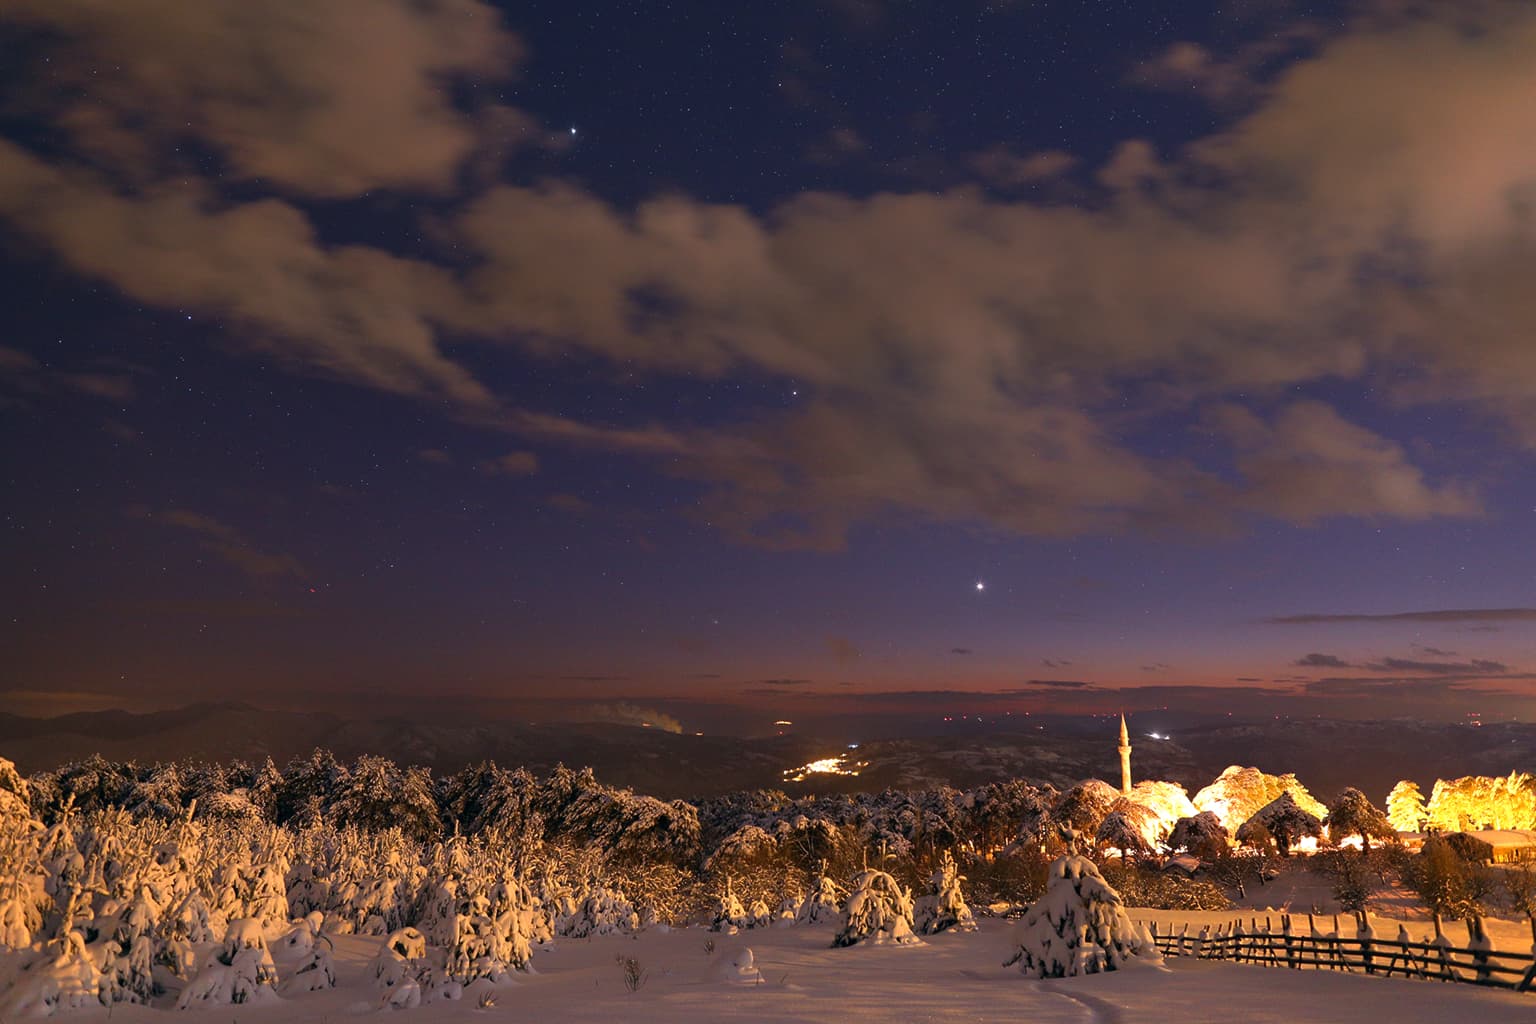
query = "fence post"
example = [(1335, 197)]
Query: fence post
[(1481, 946), (1442, 944), (1367, 936)]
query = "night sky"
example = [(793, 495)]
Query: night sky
[(744, 361)]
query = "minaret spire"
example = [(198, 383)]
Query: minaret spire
[(1125, 758)]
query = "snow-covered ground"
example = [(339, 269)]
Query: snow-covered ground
[(952, 977)]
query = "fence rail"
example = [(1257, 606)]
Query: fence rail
[(1477, 963)]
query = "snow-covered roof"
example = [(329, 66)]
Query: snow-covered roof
[(1505, 838), (1183, 862)]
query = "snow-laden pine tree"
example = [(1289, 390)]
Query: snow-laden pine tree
[(1406, 811), (789, 907), (759, 914), (1238, 793), (1124, 830), (402, 957), (943, 908), (729, 914), (1079, 926), (602, 911), (1202, 835), (821, 904), (878, 910), (1283, 820), (518, 919), (67, 979), (1354, 815), (242, 971), (22, 879)]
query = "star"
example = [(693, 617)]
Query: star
[(981, 585)]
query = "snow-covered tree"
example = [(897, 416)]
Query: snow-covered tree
[(1406, 811), (1084, 807), (241, 972), (1079, 926), (1238, 793), (1202, 835), (1167, 802), (1119, 832), (67, 979), (729, 914), (401, 961), (822, 903), (1354, 815), (379, 795), (603, 911), (1282, 820), (943, 908), (1481, 801), (878, 910)]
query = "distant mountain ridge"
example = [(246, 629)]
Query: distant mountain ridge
[(1326, 755)]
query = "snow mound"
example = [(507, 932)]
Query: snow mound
[(739, 968)]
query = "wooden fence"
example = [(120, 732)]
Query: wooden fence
[(1438, 959)]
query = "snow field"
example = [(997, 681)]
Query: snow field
[(953, 977)]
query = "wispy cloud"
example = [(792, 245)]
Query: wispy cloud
[(229, 544), (1437, 615), (1475, 667), (1316, 660)]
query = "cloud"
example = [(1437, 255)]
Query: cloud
[(511, 464), (1450, 615), (327, 99), (842, 649), (1435, 689), (14, 360), (960, 650), (1321, 661), (1477, 666), (968, 359), (572, 503), (1311, 464), (786, 682), (1054, 662), (229, 544), (625, 713), (1002, 168), (1223, 81), (838, 146), (434, 456), (1058, 684), (110, 381)]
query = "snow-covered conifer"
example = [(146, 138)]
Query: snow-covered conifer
[(729, 915), (241, 972), (1354, 815), (602, 911), (1406, 811), (943, 907), (878, 910), (1079, 926), (1202, 834), (1238, 793), (821, 904), (69, 979), (1121, 831), (1283, 820)]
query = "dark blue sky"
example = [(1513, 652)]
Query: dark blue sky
[(678, 356)]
